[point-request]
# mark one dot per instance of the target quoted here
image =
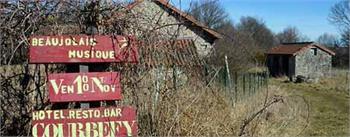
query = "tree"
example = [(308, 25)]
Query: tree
[(262, 36), (340, 16), (244, 44), (236, 45), (209, 12), (328, 40), (290, 34), (345, 37), (226, 28)]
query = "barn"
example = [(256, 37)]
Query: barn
[(307, 59), (179, 43), (171, 23)]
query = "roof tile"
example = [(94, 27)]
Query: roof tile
[(295, 48)]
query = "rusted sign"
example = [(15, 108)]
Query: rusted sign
[(111, 121), (82, 48), (84, 86)]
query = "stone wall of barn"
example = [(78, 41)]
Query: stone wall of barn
[(151, 16), (313, 66)]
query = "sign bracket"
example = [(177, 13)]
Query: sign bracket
[(84, 68)]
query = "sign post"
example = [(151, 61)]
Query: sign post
[(83, 86), (82, 49), (85, 68), (93, 86), (103, 121)]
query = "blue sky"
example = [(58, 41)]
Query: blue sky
[(309, 16)]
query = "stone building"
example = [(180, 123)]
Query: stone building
[(173, 43), (306, 59), (169, 22)]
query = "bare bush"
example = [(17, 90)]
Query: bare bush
[(291, 34), (339, 16), (209, 12), (202, 111)]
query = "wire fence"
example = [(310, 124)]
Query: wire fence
[(240, 85)]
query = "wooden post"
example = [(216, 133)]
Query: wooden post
[(158, 82), (175, 77), (267, 79), (260, 80), (266, 76), (254, 84), (244, 82), (236, 85), (249, 84), (84, 68), (228, 81)]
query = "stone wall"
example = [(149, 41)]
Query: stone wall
[(312, 66), (152, 17)]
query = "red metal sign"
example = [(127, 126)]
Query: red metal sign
[(84, 86), (82, 48), (111, 121)]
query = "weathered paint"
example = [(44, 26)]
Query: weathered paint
[(82, 48), (98, 122), (84, 86)]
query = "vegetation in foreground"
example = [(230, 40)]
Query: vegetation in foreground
[(196, 109)]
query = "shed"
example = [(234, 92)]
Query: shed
[(306, 59)]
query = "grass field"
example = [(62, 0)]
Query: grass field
[(328, 101)]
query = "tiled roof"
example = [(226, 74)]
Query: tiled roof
[(186, 16), (168, 53), (295, 48)]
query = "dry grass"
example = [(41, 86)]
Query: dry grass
[(195, 111), (329, 103)]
